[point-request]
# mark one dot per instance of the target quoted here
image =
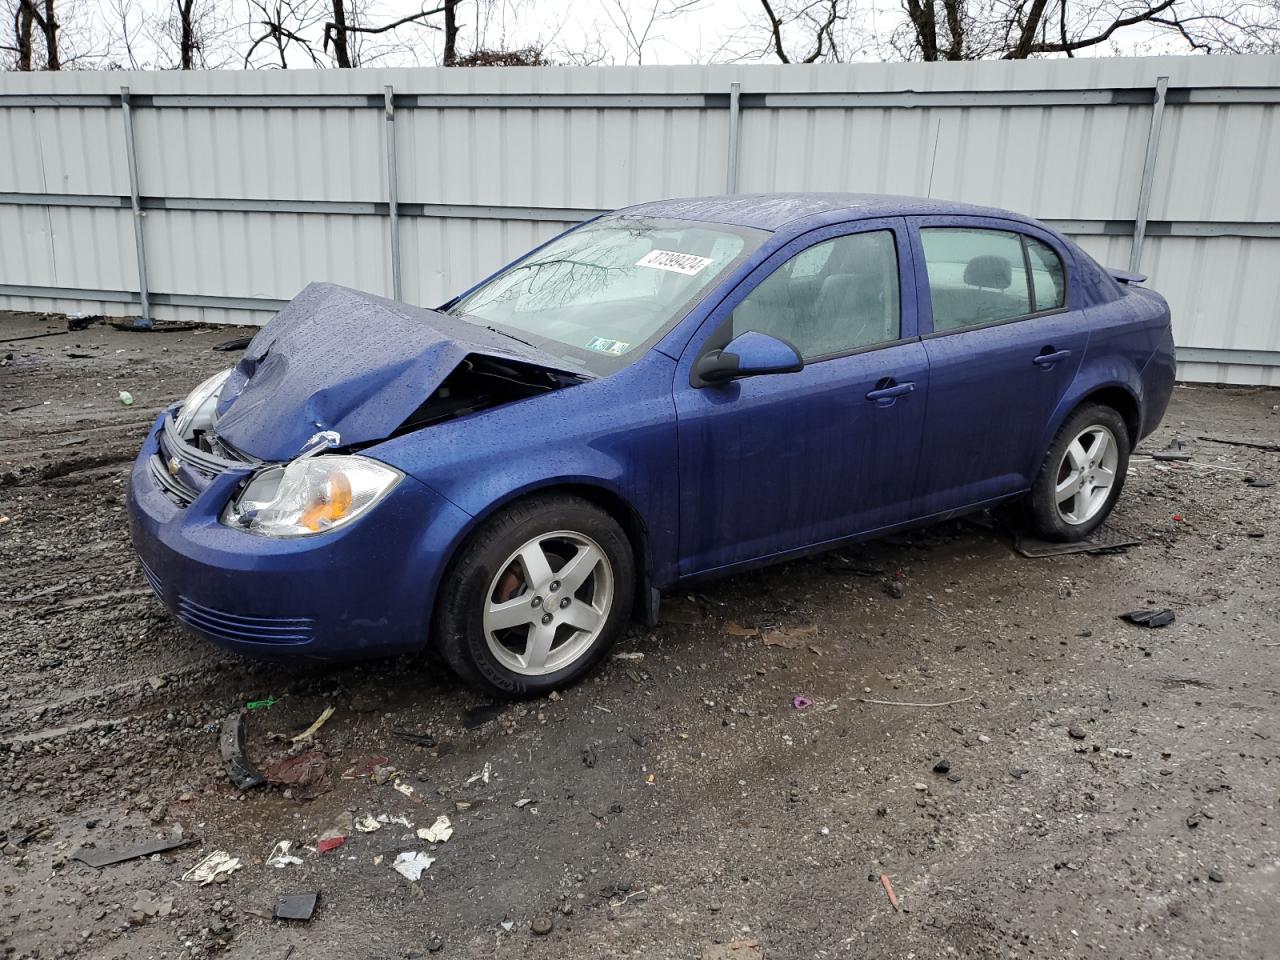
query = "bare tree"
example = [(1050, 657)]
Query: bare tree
[(28, 16), (283, 25), (636, 30), (341, 29), (818, 16)]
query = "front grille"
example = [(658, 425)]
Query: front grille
[(242, 629), (193, 469)]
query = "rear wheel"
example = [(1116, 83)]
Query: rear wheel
[(1081, 476), (536, 597)]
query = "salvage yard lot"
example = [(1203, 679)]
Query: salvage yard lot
[(1110, 790)]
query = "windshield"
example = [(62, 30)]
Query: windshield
[(605, 291)]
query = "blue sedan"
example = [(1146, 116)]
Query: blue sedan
[(676, 390)]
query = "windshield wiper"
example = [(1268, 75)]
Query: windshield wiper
[(511, 335)]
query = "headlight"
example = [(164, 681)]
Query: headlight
[(197, 412), (310, 495)]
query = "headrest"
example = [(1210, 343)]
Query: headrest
[(988, 271)]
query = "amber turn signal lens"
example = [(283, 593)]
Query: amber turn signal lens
[(331, 506)]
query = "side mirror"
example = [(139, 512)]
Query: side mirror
[(747, 355)]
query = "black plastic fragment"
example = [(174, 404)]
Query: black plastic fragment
[(1174, 451), (1149, 618), (236, 343), (95, 857), (1259, 482), (417, 739), (296, 906), (478, 716), (242, 773)]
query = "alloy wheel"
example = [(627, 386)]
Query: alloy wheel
[(1086, 475), (548, 603)]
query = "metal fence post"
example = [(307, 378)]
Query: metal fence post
[(393, 200), (1148, 176), (139, 241), (735, 116)]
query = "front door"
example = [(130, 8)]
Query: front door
[(771, 464), (1004, 342)]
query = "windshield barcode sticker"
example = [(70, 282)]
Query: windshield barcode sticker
[(687, 263), (613, 347)]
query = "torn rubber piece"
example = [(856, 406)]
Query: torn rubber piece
[(1175, 451), (236, 343), (105, 858), (1149, 618), (242, 773), (296, 906)]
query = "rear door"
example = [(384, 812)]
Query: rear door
[(770, 464), (1004, 337)]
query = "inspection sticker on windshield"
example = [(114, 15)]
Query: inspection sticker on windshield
[(612, 347), (687, 263)]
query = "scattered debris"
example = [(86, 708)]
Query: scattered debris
[(310, 732), (1174, 451), (148, 905), (482, 775), (417, 739), (406, 788), (942, 766), (479, 716), (296, 906), (1252, 444), (1149, 618), (281, 857), (1216, 876), (632, 655), (326, 844), (1259, 482), (790, 637), (523, 802), (905, 703), (412, 864), (242, 773), (364, 768), (368, 824), (589, 756), (738, 630), (261, 704), (801, 703), (1018, 772), (888, 888), (217, 864), (309, 770), (126, 398), (1102, 541), (1076, 732), (235, 343), (104, 858), (438, 832), (80, 321)]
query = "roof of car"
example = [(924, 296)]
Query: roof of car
[(771, 211)]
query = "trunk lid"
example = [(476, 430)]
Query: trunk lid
[(338, 359)]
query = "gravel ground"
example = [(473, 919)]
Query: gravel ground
[(1109, 790)]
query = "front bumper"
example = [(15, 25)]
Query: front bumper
[(359, 591)]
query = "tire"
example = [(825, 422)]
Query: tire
[(1053, 517), (495, 613)]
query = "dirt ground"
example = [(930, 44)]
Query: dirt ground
[(1112, 790)]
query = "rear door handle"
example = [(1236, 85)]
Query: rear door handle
[(886, 396), (1049, 359)]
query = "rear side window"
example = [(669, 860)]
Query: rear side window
[(975, 276), (832, 298)]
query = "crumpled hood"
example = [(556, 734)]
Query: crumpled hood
[(338, 359)]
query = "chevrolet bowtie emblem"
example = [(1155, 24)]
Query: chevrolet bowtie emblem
[(174, 466)]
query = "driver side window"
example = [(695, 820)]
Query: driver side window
[(832, 298)]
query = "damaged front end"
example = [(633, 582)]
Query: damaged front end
[(335, 372)]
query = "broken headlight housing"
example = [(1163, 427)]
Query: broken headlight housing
[(310, 495), (198, 410)]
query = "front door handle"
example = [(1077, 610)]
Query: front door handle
[(887, 395), (1048, 359)]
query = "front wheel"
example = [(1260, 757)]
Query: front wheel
[(1081, 476), (536, 597)]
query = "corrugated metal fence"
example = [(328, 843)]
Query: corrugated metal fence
[(217, 196)]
